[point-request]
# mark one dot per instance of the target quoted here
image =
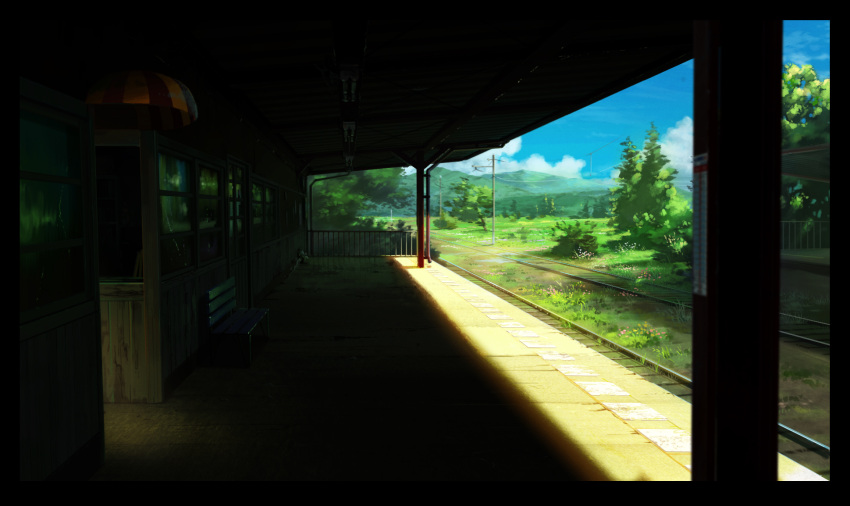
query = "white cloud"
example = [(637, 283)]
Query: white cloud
[(502, 153), (677, 144), (568, 166)]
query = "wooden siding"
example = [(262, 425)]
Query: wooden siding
[(60, 402), (239, 270), (126, 363), (182, 336), (60, 385), (265, 266)]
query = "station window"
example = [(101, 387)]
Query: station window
[(264, 210), (236, 231), (191, 226), (52, 255), (210, 223), (119, 211)]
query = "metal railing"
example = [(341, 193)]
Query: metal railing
[(356, 243), (804, 234)]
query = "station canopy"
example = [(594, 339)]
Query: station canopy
[(373, 94), (365, 94)]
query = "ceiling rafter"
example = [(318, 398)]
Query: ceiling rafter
[(551, 45)]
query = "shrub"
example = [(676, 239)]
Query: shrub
[(641, 336), (445, 222), (573, 239)]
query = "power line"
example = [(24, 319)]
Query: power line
[(591, 155)]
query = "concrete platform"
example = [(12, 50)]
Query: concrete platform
[(361, 379), (814, 260), (378, 370), (613, 423)]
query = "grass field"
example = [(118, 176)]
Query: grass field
[(661, 333)]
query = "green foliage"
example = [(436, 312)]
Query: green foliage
[(445, 222), (805, 107), (512, 211), (573, 239), (805, 122), (641, 336), (472, 204), (547, 207), (646, 204), (340, 203), (804, 199), (624, 201), (400, 226)]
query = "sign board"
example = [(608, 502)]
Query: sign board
[(700, 224)]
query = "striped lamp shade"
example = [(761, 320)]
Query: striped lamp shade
[(142, 101)]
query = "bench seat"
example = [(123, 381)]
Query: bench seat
[(231, 328)]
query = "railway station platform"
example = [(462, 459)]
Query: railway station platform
[(378, 370), (814, 260)]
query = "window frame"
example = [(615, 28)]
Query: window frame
[(236, 206), (67, 115), (196, 162), (267, 230)]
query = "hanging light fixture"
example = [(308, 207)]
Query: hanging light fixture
[(141, 100)]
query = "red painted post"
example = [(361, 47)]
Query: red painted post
[(420, 221)]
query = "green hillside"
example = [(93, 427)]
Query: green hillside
[(528, 188)]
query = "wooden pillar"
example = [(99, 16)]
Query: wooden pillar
[(736, 260), (149, 177)]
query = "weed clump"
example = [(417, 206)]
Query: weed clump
[(641, 336)]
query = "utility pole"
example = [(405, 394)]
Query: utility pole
[(493, 166), (441, 196), (591, 156)]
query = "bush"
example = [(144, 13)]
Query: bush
[(445, 222), (573, 239)]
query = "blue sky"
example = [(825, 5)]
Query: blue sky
[(563, 147)]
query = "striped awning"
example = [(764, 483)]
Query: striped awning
[(141, 100)]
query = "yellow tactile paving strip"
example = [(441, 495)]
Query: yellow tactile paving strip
[(626, 426)]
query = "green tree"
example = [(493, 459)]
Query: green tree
[(805, 107), (472, 204), (547, 207), (805, 122), (647, 205), (624, 204), (339, 203)]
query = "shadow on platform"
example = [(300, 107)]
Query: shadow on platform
[(360, 379)]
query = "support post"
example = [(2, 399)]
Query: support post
[(736, 303), (420, 229)]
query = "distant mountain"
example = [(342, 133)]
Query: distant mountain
[(525, 186), (520, 183), (542, 183)]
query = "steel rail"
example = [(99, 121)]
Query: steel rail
[(619, 288), (606, 342), (596, 282), (783, 430)]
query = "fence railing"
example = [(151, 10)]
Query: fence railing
[(804, 234), (355, 243)]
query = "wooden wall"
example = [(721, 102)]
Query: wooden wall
[(60, 408), (60, 397), (126, 361), (63, 380), (183, 337)]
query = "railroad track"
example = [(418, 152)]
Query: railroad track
[(806, 333), (659, 293), (673, 382)]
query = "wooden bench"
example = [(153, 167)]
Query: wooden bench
[(231, 328)]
